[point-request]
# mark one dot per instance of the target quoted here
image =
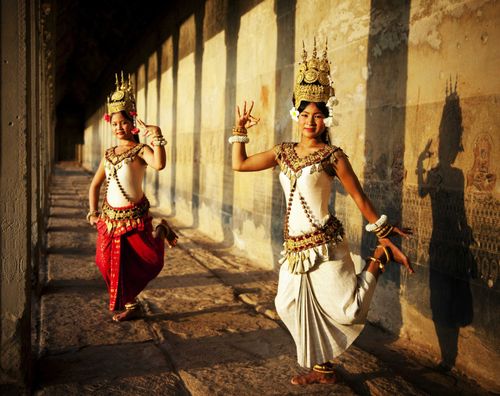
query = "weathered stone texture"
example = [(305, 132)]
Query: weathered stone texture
[(418, 90), (26, 135)]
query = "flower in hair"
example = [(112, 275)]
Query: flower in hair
[(294, 113), (133, 114), (329, 121), (135, 131), (107, 117), (332, 101)]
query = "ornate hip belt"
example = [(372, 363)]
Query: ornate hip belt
[(332, 230), (121, 220), (135, 211)]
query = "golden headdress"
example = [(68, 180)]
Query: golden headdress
[(122, 98), (313, 82)]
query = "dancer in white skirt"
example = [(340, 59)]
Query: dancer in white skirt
[(321, 298)]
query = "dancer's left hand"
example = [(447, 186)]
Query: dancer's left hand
[(404, 232), (397, 255), (148, 130), (245, 118)]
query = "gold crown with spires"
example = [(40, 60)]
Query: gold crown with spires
[(313, 82), (123, 97)]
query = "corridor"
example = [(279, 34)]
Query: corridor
[(208, 328), (409, 92)]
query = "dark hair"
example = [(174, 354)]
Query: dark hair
[(324, 110), (128, 117), (321, 106)]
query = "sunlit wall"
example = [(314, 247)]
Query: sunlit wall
[(418, 116)]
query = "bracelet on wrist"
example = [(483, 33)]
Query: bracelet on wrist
[(387, 253), (158, 140), (92, 213), (380, 264), (239, 131), (238, 139), (384, 231), (372, 227), (158, 143)]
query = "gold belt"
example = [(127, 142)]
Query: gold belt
[(136, 211), (332, 230)]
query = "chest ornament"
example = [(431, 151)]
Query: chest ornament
[(302, 252)]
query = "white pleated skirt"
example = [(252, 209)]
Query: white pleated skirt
[(325, 309)]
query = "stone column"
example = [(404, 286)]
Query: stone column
[(26, 158), (15, 197)]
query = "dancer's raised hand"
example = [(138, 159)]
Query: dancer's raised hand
[(245, 118), (148, 130)]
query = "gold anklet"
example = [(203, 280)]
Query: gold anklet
[(323, 368)]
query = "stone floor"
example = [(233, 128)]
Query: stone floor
[(209, 325)]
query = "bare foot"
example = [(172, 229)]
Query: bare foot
[(163, 230), (314, 377), (128, 314)]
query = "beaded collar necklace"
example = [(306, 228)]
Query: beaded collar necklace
[(115, 162)]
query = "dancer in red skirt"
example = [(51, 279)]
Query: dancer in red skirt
[(128, 253)]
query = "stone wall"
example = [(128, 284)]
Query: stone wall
[(418, 90), (26, 158)]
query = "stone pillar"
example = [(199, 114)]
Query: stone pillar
[(26, 157), (34, 125), (15, 197)]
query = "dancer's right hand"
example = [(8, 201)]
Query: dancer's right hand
[(246, 119), (93, 220)]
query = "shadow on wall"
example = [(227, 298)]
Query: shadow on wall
[(451, 263), (385, 119), (198, 60), (285, 60), (231, 32)]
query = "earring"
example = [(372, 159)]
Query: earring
[(297, 133), (327, 137)]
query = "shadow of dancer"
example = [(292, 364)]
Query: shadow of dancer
[(451, 263)]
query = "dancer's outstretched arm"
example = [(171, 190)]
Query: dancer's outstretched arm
[(351, 184), (241, 162)]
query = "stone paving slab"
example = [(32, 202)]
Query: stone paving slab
[(66, 267), (79, 318), (166, 384), (96, 364), (368, 375), (67, 240), (252, 285)]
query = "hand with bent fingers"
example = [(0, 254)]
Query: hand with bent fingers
[(426, 153), (397, 254), (404, 232), (246, 120), (148, 130)]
